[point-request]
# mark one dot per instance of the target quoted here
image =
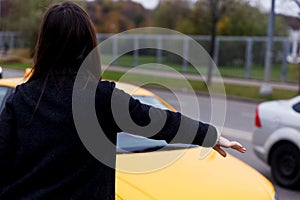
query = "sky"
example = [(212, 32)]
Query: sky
[(281, 6), (150, 4), (285, 6), (264, 4)]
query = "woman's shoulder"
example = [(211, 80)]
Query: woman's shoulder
[(29, 86), (105, 85)]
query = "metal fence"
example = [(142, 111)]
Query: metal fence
[(240, 57), (12, 39)]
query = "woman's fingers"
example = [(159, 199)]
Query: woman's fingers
[(237, 146), (220, 150), (223, 142)]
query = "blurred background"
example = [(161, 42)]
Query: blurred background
[(254, 43), (233, 32)]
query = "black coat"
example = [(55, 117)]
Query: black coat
[(41, 154)]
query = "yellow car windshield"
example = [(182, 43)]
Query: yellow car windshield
[(152, 101)]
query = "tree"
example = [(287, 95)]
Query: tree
[(247, 20), (116, 16), (216, 8), (170, 14), (25, 18), (233, 17)]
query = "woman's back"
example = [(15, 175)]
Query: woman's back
[(50, 161)]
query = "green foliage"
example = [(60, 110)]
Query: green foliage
[(170, 14), (117, 16), (243, 20), (25, 18), (247, 20), (232, 17)]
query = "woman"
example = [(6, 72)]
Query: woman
[(42, 156)]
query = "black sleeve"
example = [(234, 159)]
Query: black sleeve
[(136, 118), (7, 140)]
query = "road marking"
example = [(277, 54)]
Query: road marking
[(239, 134)]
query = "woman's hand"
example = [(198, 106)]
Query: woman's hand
[(223, 142)]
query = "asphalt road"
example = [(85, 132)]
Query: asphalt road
[(239, 124)]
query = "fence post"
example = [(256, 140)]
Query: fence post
[(136, 51), (248, 57), (12, 41), (158, 52), (286, 46), (1, 39), (216, 53), (115, 50), (266, 88), (185, 54)]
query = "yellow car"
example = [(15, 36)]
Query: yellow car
[(151, 169), (1, 72)]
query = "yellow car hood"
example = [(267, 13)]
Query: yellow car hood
[(189, 177)]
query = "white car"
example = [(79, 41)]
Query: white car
[(1, 72), (276, 139)]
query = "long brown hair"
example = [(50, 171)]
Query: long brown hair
[(66, 37)]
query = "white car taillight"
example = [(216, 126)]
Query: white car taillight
[(257, 120)]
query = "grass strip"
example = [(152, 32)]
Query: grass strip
[(232, 90)]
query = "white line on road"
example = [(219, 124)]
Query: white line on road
[(239, 134)]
